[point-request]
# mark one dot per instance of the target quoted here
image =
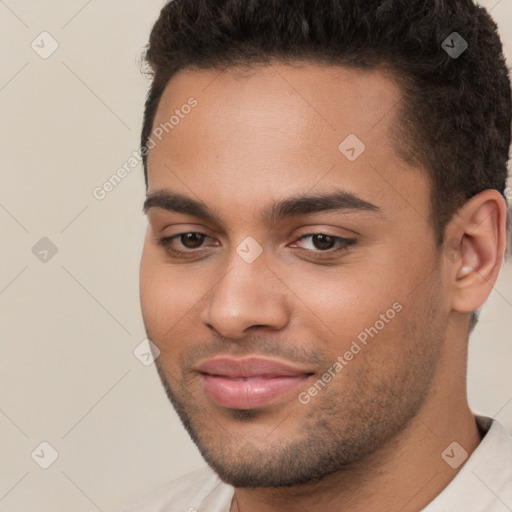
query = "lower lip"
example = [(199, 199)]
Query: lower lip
[(249, 394)]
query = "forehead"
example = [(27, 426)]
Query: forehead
[(296, 103), (280, 129)]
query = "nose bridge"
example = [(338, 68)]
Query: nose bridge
[(248, 295)]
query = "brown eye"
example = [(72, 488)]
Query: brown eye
[(321, 245), (187, 244), (192, 240), (318, 242), (323, 242)]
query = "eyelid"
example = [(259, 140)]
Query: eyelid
[(317, 233), (343, 244), (165, 241)]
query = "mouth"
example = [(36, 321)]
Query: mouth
[(251, 382)]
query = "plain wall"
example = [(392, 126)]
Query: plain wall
[(69, 325)]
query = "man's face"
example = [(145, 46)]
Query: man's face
[(260, 308)]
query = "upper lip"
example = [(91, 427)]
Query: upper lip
[(249, 367)]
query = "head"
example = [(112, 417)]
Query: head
[(333, 173)]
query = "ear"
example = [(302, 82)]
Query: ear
[(476, 239)]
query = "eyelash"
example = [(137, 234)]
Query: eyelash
[(319, 254)]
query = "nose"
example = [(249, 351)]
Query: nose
[(249, 295)]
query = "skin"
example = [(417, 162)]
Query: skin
[(372, 438)]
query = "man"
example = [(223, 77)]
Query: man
[(326, 214)]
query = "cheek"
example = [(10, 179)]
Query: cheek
[(149, 289), (367, 301), (169, 297), (159, 294), (344, 300)]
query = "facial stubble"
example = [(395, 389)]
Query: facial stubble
[(337, 430)]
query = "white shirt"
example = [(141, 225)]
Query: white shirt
[(484, 484)]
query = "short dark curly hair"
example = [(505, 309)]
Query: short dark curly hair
[(455, 113)]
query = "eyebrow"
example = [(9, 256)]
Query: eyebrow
[(302, 204)]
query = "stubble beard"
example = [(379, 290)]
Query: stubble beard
[(334, 432)]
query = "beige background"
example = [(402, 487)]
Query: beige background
[(69, 326)]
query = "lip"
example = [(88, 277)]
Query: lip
[(249, 382)]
